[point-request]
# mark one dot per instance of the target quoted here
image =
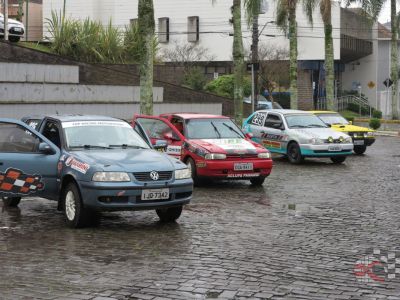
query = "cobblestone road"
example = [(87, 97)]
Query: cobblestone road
[(298, 237)]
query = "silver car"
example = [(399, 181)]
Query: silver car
[(15, 29), (297, 134)]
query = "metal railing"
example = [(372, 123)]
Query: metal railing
[(342, 103)]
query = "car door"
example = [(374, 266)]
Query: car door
[(28, 161), (274, 137), (160, 129)]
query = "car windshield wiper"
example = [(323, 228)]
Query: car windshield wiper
[(316, 125), (233, 129), (298, 126), (124, 146), (216, 129), (89, 147)]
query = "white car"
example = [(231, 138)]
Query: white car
[(297, 134), (15, 29)]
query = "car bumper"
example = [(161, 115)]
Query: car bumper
[(111, 197), (13, 31), (326, 150), (363, 142), (224, 169)]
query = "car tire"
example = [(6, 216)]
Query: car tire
[(170, 214), (338, 159), (192, 168), (76, 216), (257, 181), (359, 149), (14, 39), (11, 201), (294, 153)]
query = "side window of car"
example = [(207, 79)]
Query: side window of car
[(157, 129), (52, 133), (273, 121), (178, 123), (15, 138), (34, 123), (258, 119)]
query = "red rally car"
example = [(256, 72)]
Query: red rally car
[(212, 146)]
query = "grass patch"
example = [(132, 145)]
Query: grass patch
[(348, 114), (36, 46)]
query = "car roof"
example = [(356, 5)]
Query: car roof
[(323, 112), (73, 118), (286, 111), (187, 116)]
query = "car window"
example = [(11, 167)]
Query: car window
[(15, 138), (333, 119), (258, 119), (52, 133), (212, 129), (304, 121), (157, 129), (34, 123), (272, 120)]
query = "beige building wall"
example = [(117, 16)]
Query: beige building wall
[(34, 30)]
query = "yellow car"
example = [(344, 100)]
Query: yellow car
[(362, 136)]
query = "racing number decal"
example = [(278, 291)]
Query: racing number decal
[(16, 182), (258, 119)]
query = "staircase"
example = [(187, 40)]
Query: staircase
[(343, 103)]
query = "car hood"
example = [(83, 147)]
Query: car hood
[(320, 133), (350, 128), (128, 160), (227, 146), (12, 22)]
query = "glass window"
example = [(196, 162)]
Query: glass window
[(273, 121), (157, 129), (212, 129), (333, 119), (33, 123), (304, 121), (15, 138), (52, 133)]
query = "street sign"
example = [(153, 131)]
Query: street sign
[(256, 66), (388, 82)]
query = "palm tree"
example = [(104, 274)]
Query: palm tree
[(146, 35), (286, 13)]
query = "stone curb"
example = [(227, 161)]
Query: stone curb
[(388, 133)]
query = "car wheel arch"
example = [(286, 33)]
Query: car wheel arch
[(67, 179)]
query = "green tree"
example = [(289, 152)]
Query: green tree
[(146, 34), (286, 17)]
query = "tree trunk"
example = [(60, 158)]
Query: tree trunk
[(393, 59), (238, 62), (255, 59), (329, 68), (293, 57), (146, 32)]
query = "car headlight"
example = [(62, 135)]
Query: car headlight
[(316, 141), (215, 156), (264, 155), (348, 140), (369, 134), (183, 174), (111, 177)]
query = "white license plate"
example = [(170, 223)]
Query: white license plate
[(335, 148), (358, 142), (243, 167), (155, 194), (16, 29)]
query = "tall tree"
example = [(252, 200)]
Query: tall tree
[(394, 58), (146, 35), (286, 17), (238, 61)]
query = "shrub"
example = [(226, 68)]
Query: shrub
[(195, 78), (377, 114), (350, 119), (223, 86), (374, 123)]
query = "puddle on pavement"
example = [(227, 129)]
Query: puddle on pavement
[(298, 210)]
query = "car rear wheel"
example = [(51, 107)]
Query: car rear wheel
[(170, 214), (359, 149), (338, 159), (11, 201), (76, 216), (294, 153), (14, 39), (192, 168), (257, 181)]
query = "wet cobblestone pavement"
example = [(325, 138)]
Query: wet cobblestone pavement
[(297, 237)]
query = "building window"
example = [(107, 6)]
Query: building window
[(163, 30), (193, 29)]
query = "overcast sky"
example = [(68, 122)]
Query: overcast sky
[(385, 14)]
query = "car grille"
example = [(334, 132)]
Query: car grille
[(334, 141), (357, 135), (242, 156), (145, 176)]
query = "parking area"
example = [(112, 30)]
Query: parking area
[(303, 235)]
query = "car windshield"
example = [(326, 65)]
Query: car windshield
[(212, 129), (304, 121), (333, 119), (102, 135)]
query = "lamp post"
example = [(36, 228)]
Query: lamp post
[(6, 20)]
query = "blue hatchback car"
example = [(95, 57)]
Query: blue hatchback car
[(89, 164)]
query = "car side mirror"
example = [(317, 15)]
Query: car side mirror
[(161, 145), (351, 122), (171, 136), (329, 125), (45, 148)]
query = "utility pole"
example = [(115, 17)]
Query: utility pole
[(6, 20)]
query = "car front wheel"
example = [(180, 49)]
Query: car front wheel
[(170, 214), (76, 216), (338, 159), (359, 149), (257, 181), (14, 39), (11, 201), (294, 153)]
